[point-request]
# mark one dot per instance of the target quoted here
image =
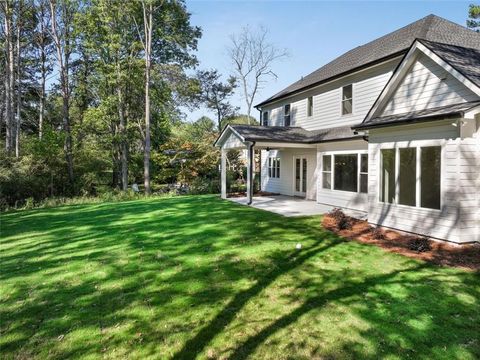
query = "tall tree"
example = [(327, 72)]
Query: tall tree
[(7, 7), (62, 13), (167, 38), (19, 29), (215, 94), (43, 46), (253, 56), (473, 21)]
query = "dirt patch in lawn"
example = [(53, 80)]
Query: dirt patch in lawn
[(413, 246)]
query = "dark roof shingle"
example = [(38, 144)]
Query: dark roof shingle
[(418, 116), (293, 134), (431, 27)]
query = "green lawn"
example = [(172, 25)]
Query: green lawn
[(189, 277)]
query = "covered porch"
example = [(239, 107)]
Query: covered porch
[(266, 139)]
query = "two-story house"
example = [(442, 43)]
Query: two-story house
[(391, 128)]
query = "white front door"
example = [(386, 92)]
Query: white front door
[(300, 176)]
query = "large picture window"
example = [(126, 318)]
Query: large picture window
[(387, 176), (430, 177), (346, 172), (429, 185), (274, 167)]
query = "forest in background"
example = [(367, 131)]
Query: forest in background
[(94, 95)]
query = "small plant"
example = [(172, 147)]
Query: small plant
[(342, 220), (378, 234), (420, 244)]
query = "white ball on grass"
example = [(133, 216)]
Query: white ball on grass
[(298, 246)]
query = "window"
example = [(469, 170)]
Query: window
[(428, 187), (274, 167), (430, 177), (347, 99), (346, 172), (265, 118), (327, 172), (364, 173), (387, 176), (310, 106), (286, 115), (408, 176)]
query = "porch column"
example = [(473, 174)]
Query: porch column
[(250, 164), (223, 177)]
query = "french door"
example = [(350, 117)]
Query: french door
[(300, 176)]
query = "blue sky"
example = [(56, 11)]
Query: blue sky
[(313, 32)]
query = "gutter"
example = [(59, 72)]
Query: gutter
[(409, 121)]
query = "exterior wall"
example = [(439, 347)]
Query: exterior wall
[(233, 142), (367, 85), (457, 220), (427, 85), (285, 184), (346, 199)]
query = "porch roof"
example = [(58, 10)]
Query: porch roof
[(283, 134)]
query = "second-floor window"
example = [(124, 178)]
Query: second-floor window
[(310, 106), (265, 118), (286, 115), (347, 99)]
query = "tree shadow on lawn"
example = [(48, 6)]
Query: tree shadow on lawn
[(141, 277)]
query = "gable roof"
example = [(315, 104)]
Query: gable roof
[(463, 59), (431, 28), (291, 134), (461, 65)]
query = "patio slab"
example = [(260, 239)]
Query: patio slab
[(293, 206)]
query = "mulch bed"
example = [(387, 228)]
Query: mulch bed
[(243, 194), (437, 252)]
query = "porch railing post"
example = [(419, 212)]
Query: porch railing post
[(223, 177), (250, 162)]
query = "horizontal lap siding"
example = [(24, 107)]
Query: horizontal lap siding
[(459, 216), (427, 85), (367, 85), (284, 184)]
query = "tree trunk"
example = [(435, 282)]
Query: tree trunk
[(19, 82), (148, 24), (43, 73), (123, 135), (9, 80)]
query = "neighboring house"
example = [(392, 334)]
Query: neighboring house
[(391, 128)]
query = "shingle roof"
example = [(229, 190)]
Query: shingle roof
[(465, 60), (418, 116), (293, 134), (431, 27)]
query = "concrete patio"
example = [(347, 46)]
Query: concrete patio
[(293, 206)]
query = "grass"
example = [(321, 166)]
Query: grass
[(197, 277)]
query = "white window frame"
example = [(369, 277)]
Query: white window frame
[(289, 115), (274, 170), (418, 145), (263, 119), (327, 171), (341, 100), (332, 173), (310, 106)]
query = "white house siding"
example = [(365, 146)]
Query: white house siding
[(457, 220), (427, 85), (367, 85), (285, 184), (345, 199), (233, 142)]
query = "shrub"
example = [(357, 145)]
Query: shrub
[(378, 234), (420, 244), (342, 220)]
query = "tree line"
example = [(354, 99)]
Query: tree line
[(94, 94)]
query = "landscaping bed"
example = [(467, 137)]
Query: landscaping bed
[(411, 245)]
